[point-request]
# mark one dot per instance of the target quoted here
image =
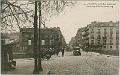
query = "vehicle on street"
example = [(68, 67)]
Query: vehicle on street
[(76, 51)]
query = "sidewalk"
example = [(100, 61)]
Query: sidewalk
[(25, 66)]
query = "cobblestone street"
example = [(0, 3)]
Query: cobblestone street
[(86, 64)]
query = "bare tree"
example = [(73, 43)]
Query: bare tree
[(16, 14)]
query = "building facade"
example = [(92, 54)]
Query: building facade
[(50, 38), (105, 34), (78, 37), (100, 36)]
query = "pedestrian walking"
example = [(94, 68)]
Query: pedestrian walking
[(62, 52)]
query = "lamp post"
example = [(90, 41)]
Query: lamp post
[(39, 51), (35, 41)]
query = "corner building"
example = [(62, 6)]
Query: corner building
[(105, 34)]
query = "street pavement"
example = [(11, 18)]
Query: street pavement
[(86, 64)]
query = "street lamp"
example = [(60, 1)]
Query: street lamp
[(37, 37), (35, 41), (39, 57)]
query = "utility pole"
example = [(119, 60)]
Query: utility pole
[(35, 41), (39, 51)]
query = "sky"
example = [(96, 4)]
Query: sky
[(80, 15)]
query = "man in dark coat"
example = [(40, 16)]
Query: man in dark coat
[(62, 52)]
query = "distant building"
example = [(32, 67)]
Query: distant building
[(99, 36), (78, 37), (81, 38), (72, 43)]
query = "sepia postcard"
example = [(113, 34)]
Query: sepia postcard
[(60, 37)]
